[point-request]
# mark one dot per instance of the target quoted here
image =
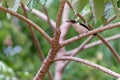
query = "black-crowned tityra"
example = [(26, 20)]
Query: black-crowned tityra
[(79, 27)]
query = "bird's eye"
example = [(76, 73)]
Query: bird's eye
[(72, 21)]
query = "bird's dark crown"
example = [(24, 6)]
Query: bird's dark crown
[(72, 21)]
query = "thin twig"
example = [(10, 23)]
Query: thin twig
[(35, 40), (83, 46), (102, 39), (81, 17), (48, 19), (100, 42), (42, 16), (110, 47), (110, 19), (58, 20), (93, 44), (91, 64), (27, 21), (75, 51), (107, 27), (70, 5)]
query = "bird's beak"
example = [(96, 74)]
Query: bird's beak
[(68, 21)]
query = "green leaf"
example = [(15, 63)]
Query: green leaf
[(1, 1), (4, 3), (16, 5), (98, 8), (25, 2), (108, 8), (118, 3), (43, 2), (107, 12), (106, 1), (14, 8), (116, 9), (13, 4), (78, 5), (10, 3), (32, 4)]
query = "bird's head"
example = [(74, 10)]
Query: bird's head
[(71, 21)]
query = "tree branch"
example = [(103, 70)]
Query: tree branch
[(99, 36), (27, 21), (58, 20), (65, 13), (100, 42), (48, 19), (84, 46), (76, 50), (70, 5), (102, 39), (110, 47), (110, 19), (54, 47), (35, 41), (64, 26), (107, 27), (43, 16), (88, 63)]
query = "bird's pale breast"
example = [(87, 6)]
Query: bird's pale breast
[(79, 28)]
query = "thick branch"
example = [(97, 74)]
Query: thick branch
[(86, 62), (27, 21), (54, 47), (64, 27)]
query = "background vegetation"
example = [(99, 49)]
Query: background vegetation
[(18, 56)]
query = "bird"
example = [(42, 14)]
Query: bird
[(79, 27)]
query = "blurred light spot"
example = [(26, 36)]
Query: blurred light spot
[(12, 51), (99, 56), (8, 50), (0, 24), (17, 49)]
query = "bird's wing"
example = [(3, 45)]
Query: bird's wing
[(84, 26)]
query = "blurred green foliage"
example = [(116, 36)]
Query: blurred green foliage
[(23, 65)]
